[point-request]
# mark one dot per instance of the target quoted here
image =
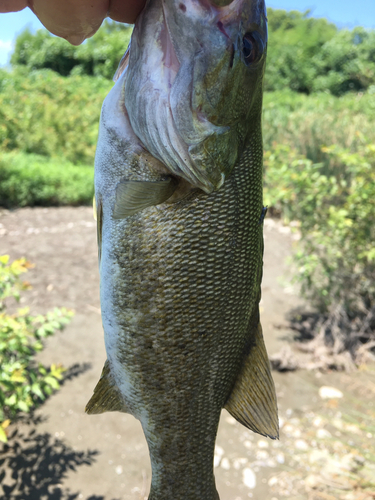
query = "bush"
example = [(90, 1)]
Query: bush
[(311, 55), (335, 207), (98, 56), (306, 124), (29, 180), (46, 114), (23, 383)]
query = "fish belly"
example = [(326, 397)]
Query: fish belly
[(180, 287)]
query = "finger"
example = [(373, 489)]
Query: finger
[(12, 5), (71, 19), (125, 12)]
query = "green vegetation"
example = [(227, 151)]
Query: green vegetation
[(23, 382), (309, 123), (334, 203), (46, 114), (311, 55), (29, 180), (304, 54), (98, 56), (319, 141)]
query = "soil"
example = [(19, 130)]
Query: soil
[(327, 444)]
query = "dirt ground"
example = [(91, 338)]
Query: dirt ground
[(327, 440)]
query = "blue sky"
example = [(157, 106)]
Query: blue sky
[(344, 13)]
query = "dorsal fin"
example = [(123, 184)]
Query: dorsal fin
[(133, 196), (107, 396), (252, 401)]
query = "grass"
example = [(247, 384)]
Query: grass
[(30, 180)]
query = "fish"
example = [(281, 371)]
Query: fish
[(178, 198)]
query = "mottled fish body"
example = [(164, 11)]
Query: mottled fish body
[(178, 187)]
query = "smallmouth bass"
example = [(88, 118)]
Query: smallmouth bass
[(178, 190)]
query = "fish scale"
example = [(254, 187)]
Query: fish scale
[(180, 289)]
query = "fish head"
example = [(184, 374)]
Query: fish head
[(193, 91)]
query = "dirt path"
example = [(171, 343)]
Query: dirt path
[(64, 454)]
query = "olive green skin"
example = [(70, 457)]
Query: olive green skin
[(180, 283), (180, 287)]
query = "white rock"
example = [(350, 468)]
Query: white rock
[(288, 429), (249, 478), (280, 458), (318, 421), (352, 428), (326, 392), (118, 470), (296, 433), (322, 434), (318, 456), (301, 445), (262, 455), (239, 462), (225, 463), (272, 481), (219, 451), (262, 444), (312, 481)]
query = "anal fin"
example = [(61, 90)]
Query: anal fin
[(106, 395), (252, 401)]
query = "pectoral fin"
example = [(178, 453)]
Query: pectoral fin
[(252, 401), (106, 395), (133, 196)]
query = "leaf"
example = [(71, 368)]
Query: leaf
[(51, 381), (3, 436), (23, 406), (6, 423)]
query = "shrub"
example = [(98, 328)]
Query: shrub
[(28, 180), (335, 207), (97, 56), (23, 382), (306, 124), (47, 114)]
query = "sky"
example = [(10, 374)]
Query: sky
[(344, 13)]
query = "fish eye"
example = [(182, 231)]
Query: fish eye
[(252, 48)]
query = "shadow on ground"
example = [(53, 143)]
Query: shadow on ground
[(33, 465)]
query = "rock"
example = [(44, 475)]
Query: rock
[(323, 434), (249, 478), (225, 463), (302, 445), (326, 392), (318, 456), (262, 444), (312, 481), (219, 452), (272, 481)]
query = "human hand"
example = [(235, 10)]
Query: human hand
[(76, 20)]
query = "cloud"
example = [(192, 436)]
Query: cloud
[(6, 47)]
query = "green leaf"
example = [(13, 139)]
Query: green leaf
[(3, 436), (51, 381)]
